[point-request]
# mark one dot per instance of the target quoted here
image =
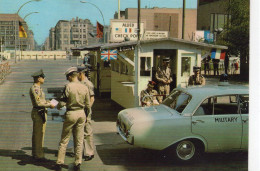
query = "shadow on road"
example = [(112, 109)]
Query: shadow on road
[(25, 159), (133, 158)]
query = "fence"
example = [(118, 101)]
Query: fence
[(4, 70)]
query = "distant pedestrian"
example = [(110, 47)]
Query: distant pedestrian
[(86, 60), (76, 98), (235, 67), (215, 66), (39, 115), (226, 62), (206, 64), (197, 78)]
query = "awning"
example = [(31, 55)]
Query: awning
[(125, 59)]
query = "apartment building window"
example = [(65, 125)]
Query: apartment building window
[(84, 36), (66, 36), (218, 21), (65, 42), (75, 36)]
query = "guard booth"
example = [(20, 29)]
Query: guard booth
[(127, 75), (127, 82)]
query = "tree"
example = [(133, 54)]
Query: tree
[(236, 35)]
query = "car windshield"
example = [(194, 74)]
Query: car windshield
[(177, 100)]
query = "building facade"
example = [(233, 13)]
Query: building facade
[(70, 34), (212, 14), (9, 33), (165, 19)]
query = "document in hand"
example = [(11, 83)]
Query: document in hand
[(54, 102)]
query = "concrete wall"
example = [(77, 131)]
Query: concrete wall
[(41, 54)]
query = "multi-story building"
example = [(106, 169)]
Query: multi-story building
[(9, 33), (212, 14), (165, 19), (69, 34)]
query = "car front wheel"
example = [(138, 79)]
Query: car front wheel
[(186, 151)]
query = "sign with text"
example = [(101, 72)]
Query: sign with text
[(122, 29), (149, 35)]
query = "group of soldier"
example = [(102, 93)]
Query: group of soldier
[(163, 79), (78, 97)]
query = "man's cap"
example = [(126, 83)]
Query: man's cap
[(82, 69), (38, 74), (71, 69), (151, 83), (196, 68), (166, 59)]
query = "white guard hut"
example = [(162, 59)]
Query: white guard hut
[(127, 82)]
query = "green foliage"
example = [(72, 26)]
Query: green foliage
[(236, 36)]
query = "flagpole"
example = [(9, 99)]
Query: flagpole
[(15, 41)]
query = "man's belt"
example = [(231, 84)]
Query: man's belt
[(75, 109)]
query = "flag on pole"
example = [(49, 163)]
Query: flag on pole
[(217, 54), (22, 32), (109, 54), (100, 29)]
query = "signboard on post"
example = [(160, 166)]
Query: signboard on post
[(122, 29), (149, 35)]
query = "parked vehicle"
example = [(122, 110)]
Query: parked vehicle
[(191, 121)]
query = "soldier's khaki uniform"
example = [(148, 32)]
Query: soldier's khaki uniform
[(149, 98), (163, 74), (38, 102), (76, 97), (88, 142), (199, 80)]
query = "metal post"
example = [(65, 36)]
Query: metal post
[(137, 59), (183, 18), (118, 17)]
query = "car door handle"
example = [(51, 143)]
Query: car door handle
[(194, 122), (245, 121)]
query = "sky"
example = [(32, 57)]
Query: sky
[(51, 11)]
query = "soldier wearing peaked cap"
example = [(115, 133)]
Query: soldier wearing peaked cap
[(88, 142), (148, 96), (164, 78), (197, 78), (38, 114), (76, 98)]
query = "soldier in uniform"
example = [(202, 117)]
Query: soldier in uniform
[(147, 97), (76, 99), (88, 142), (164, 78), (197, 78), (39, 115)]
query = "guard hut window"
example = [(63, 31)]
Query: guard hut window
[(145, 69), (185, 66)]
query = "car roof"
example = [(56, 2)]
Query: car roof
[(212, 90)]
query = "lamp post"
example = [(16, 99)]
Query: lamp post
[(100, 13), (25, 4)]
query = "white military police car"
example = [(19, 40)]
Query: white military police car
[(191, 121)]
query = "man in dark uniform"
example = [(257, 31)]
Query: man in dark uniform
[(39, 115), (197, 78)]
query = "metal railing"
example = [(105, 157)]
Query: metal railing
[(5, 69)]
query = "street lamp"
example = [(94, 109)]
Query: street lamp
[(29, 14), (100, 13), (25, 4)]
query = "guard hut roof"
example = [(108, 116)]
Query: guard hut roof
[(134, 43)]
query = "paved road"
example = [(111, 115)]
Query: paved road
[(112, 153)]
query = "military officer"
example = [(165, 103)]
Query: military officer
[(197, 78), (88, 142), (163, 76), (76, 99), (39, 115), (147, 97)]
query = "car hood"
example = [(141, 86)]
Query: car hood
[(144, 114)]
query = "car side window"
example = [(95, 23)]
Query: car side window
[(244, 104), (205, 108), (225, 105)]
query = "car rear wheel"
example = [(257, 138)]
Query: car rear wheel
[(186, 151)]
